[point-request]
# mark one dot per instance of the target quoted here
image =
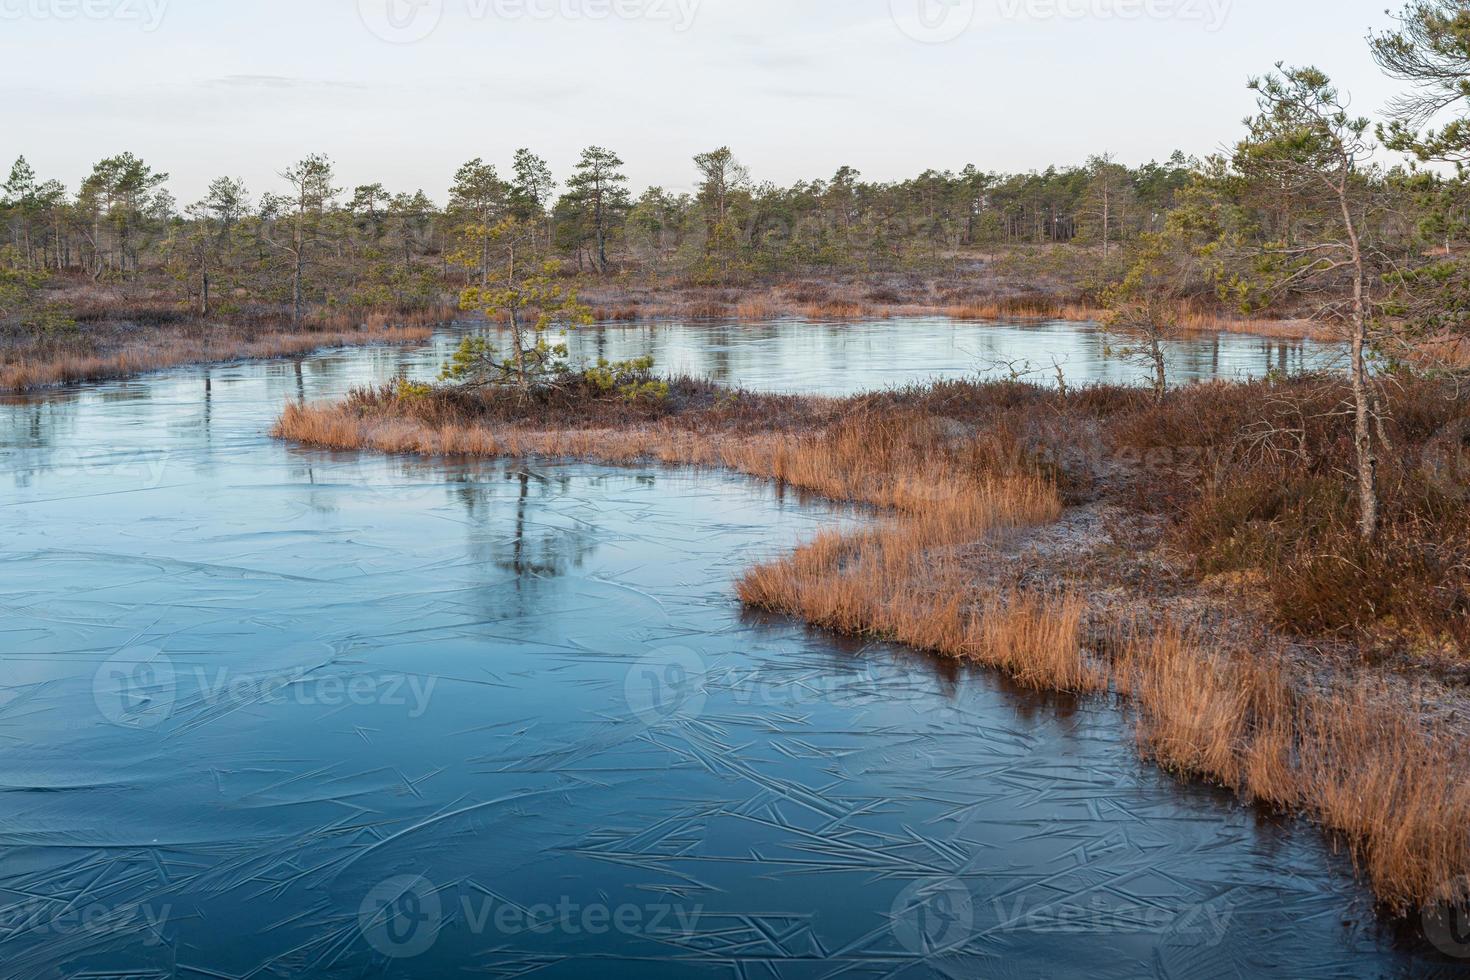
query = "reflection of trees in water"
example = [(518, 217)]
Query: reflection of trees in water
[(1235, 357), (526, 546), (520, 536), (127, 391), (719, 362), (30, 432), (183, 429), (35, 424)]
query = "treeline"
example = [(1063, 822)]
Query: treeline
[(368, 246), (1236, 229), (309, 241)]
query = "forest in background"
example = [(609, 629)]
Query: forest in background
[(369, 247), (1262, 231)]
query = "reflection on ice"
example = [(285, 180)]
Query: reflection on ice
[(843, 358)]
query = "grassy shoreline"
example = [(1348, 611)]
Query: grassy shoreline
[(120, 334), (114, 350), (1303, 709), (883, 298)]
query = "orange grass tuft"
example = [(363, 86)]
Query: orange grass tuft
[(1347, 755)]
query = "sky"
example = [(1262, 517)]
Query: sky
[(404, 91)]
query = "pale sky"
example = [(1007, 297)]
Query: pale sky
[(203, 88)]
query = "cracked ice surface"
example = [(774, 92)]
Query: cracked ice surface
[(267, 712)]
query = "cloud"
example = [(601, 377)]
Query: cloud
[(278, 82)]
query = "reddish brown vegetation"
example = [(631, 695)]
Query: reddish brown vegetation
[(1251, 477), (119, 335)]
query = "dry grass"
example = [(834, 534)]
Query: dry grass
[(843, 450), (955, 465), (882, 584), (901, 582), (1349, 755), (1443, 352), (1027, 307), (113, 350)]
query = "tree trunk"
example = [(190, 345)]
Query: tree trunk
[(515, 335), (296, 289), (296, 270), (601, 237), (1161, 378), (1362, 397), (515, 321)]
